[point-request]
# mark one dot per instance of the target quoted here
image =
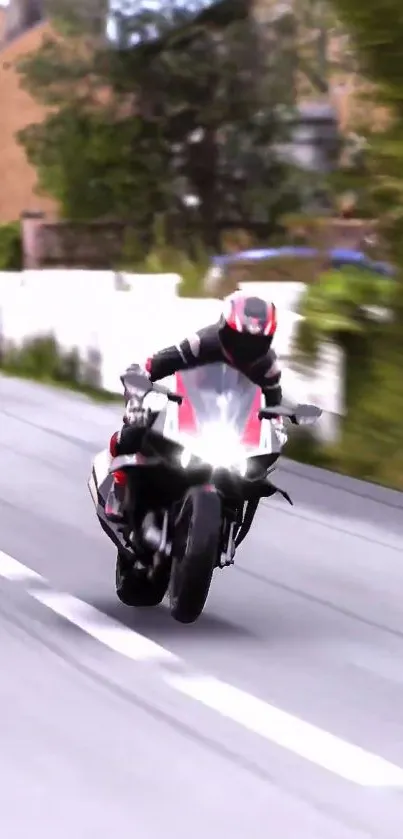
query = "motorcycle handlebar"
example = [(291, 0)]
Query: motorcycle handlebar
[(170, 394), (300, 415), (138, 385)]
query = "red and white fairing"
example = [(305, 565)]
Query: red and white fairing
[(220, 408)]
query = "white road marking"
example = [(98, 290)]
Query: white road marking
[(304, 739), (285, 730), (109, 632), (11, 569), (113, 634)]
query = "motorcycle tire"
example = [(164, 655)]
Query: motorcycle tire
[(134, 588), (195, 551)]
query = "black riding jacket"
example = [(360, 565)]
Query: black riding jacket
[(204, 347)]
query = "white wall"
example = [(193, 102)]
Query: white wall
[(84, 310)]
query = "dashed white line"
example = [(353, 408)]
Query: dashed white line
[(13, 570), (304, 739), (109, 632), (279, 727)]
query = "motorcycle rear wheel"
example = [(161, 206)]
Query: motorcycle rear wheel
[(195, 551), (134, 588)]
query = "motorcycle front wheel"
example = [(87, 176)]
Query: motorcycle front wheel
[(135, 588), (196, 546)]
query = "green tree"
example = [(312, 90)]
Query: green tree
[(176, 117), (97, 166), (310, 28), (377, 37), (11, 258), (91, 155)]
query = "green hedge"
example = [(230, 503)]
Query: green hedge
[(163, 258), (11, 255), (371, 444), (43, 360)]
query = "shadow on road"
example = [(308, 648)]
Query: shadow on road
[(158, 622)]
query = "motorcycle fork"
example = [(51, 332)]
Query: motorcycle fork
[(145, 529), (133, 512), (232, 520)]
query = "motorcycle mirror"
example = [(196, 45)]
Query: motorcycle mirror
[(137, 385), (307, 414)]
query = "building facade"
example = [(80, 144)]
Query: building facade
[(22, 27)]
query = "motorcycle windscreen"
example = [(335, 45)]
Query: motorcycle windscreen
[(216, 393)]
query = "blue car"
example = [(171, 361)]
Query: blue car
[(339, 257)]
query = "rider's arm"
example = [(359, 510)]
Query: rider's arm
[(270, 381), (166, 362), (189, 353)]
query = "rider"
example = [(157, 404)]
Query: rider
[(242, 338)]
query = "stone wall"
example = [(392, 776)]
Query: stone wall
[(96, 245), (99, 245)]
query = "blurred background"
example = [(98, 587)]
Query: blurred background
[(234, 142)]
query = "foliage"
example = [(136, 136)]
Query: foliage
[(372, 444), (342, 308), (181, 116), (163, 258), (351, 308), (341, 305), (11, 258), (315, 27), (377, 37), (85, 160), (42, 359), (372, 435), (378, 40), (372, 430)]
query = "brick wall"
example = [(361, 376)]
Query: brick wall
[(17, 178), (2, 21)]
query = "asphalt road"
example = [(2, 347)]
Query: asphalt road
[(104, 733)]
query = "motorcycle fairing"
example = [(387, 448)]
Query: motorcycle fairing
[(99, 484), (219, 394)]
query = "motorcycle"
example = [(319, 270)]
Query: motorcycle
[(192, 492)]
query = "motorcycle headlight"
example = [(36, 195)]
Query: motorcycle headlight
[(242, 467), (218, 447), (185, 458)]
